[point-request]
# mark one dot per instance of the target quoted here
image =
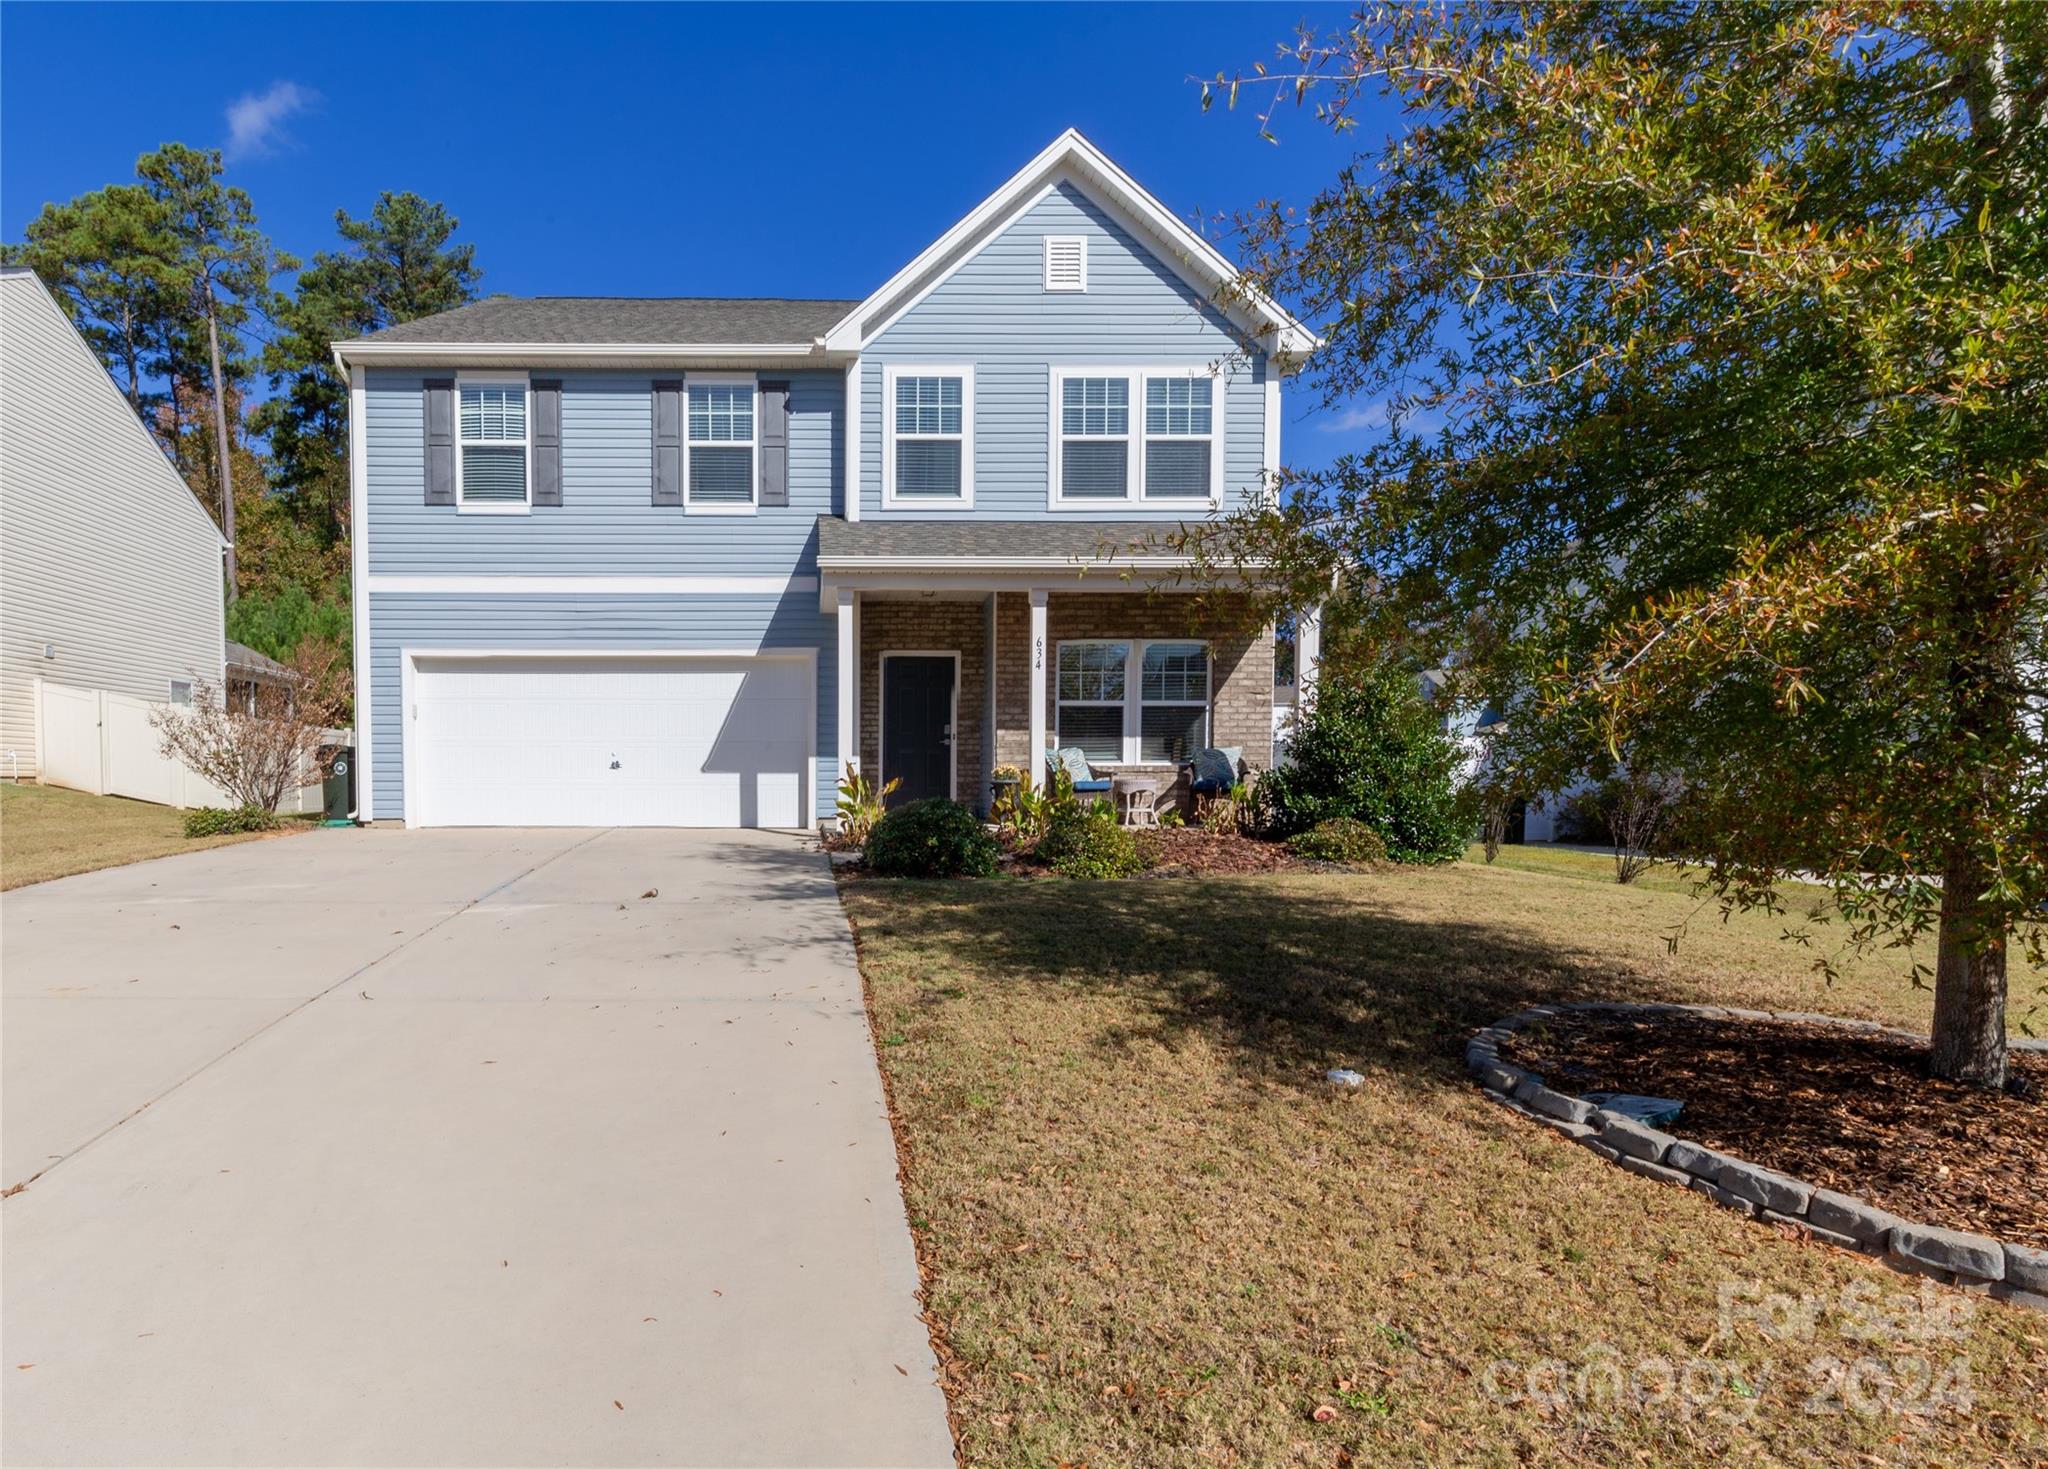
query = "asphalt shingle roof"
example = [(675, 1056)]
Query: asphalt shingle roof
[(639, 321), (994, 540)]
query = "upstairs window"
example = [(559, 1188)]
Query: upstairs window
[(930, 448), (721, 445), (1066, 262), (1095, 438), (492, 447), (1180, 438)]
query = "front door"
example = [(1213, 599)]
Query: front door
[(917, 725)]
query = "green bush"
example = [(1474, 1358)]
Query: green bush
[(1085, 841), (1370, 749), (935, 838), (213, 821), (1340, 839)]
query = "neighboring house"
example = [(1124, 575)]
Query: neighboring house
[(674, 562), (110, 570)]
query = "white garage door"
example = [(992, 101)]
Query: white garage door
[(510, 741)]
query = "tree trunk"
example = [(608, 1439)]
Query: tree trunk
[(1969, 983), (220, 431)]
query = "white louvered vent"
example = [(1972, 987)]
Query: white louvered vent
[(1066, 263)]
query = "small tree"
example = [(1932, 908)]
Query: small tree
[(262, 743)]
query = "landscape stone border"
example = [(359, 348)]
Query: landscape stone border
[(1972, 1262)]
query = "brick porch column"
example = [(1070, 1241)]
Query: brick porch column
[(1034, 762)]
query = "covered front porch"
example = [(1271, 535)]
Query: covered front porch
[(969, 657)]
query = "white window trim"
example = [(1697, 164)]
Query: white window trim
[(507, 379), (1134, 494), (1214, 499), (725, 379), (1134, 682), (1080, 242), (1134, 701), (965, 372)]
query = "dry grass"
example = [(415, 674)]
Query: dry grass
[(1154, 1237), (47, 831)]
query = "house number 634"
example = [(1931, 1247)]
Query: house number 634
[(1038, 654)]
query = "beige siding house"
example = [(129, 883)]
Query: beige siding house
[(110, 569)]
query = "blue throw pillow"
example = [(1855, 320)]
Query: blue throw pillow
[(1216, 768)]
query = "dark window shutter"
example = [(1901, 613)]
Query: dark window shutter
[(668, 443), (440, 406), (774, 444), (547, 442)]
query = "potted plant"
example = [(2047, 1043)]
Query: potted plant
[(1003, 787)]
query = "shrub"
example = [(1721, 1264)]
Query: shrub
[(213, 821), (860, 805), (1085, 841), (1340, 839), (935, 838), (1369, 748)]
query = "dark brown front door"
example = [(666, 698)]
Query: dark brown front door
[(917, 725)]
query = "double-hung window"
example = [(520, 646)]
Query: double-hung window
[(928, 456), (1092, 685), (1180, 438), (1136, 435), (1133, 702), (492, 444), (721, 446), (1095, 437), (1173, 701)]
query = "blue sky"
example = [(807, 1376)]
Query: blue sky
[(656, 150)]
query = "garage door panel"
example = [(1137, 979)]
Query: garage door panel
[(611, 742)]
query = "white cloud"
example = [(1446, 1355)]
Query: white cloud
[(1365, 417), (256, 119), (1353, 418)]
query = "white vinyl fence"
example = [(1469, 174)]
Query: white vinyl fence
[(91, 740)]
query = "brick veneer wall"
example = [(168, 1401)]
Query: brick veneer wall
[(928, 626), (1240, 666)]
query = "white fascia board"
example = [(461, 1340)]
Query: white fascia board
[(1073, 156)]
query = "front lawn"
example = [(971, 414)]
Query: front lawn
[(1152, 1235), (47, 831)]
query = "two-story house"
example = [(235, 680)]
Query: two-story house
[(674, 562)]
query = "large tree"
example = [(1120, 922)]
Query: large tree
[(109, 258), (1712, 341), (396, 265), (224, 265)]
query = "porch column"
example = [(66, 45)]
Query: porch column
[(849, 680), (1034, 764), (1308, 653)]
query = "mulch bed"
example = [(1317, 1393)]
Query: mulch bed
[(1193, 851), (1850, 1111)]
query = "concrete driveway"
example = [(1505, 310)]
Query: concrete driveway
[(451, 1147)]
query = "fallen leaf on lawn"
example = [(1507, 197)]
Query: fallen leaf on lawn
[(1323, 1413)]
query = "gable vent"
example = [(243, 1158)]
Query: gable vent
[(1066, 263)]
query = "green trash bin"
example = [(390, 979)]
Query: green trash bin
[(338, 789)]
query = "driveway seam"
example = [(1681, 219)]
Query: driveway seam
[(358, 972)]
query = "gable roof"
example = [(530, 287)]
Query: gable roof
[(629, 331), (657, 321), (1071, 158)]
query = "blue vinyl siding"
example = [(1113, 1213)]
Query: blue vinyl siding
[(665, 623), (605, 524), (996, 313)]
